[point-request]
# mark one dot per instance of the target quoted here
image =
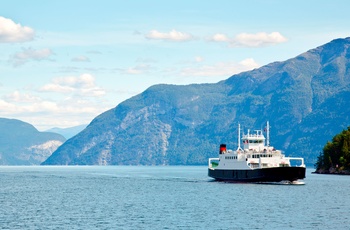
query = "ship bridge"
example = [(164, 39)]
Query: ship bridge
[(254, 141)]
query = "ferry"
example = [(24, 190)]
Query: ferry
[(257, 161)]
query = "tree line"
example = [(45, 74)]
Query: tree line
[(335, 156)]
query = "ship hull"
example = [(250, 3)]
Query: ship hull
[(275, 174)]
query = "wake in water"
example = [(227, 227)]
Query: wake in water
[(296, 182)]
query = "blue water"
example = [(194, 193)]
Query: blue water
[(169, 197)]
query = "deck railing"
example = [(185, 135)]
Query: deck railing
[(297, 159)]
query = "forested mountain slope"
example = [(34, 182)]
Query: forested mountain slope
[(306, 100)]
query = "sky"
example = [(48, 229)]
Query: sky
[(63, 63)]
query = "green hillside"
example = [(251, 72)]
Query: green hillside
[(335, 157)]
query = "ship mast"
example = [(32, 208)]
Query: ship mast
[(267, 134), (239, 137)]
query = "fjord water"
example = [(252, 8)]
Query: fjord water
[(164, 197)]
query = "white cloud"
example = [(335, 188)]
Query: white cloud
[(173, 35), (45, 114), (11, 32), (251, 40), (58, 88), (138, 69), (82, 85), (31, 54), (7, 108), (220, 38), (17, 102), (199, 59), (43, 106), (249, 63), (62, 110), (81, 59), (220, 69), (16, 96), (259, 39)]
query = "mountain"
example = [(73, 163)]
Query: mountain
[(22, 144), (68, 132), (306, 100)]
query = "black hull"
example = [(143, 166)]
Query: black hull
[(259, 175)]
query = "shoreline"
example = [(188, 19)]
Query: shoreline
[(332, 171)]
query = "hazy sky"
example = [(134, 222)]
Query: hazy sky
[(64, 62)]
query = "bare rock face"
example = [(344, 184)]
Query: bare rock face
[(41, 152)]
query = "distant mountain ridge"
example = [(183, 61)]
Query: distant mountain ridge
[(67, 132), (22, 144), (306, 100)]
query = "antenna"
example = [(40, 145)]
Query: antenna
[(239, 137), (267, 134)]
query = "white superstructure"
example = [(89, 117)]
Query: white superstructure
[(255, 154)]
